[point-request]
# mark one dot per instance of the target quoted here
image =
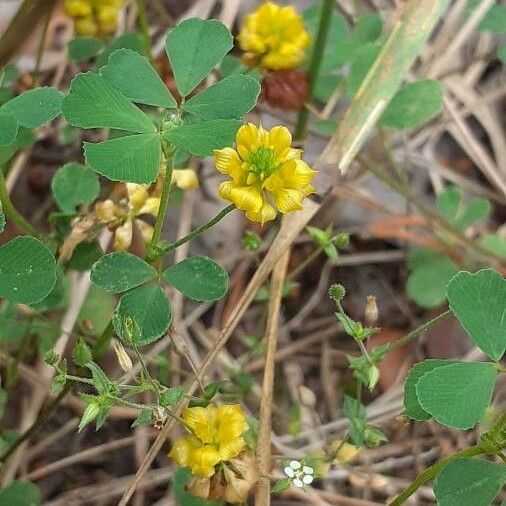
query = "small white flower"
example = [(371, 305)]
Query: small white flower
[(289, 472), (299, 474), (295, 465), (298, 482), (307, 479)]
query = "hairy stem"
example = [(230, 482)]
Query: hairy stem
[(315, 63), (419, 330), (170, 246), (10, 211), (164, 199), (433, 471)]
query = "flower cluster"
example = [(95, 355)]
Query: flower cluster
[(299, 474), (94, 17), (123, 217), (216, 437), (264, 170), (273, 37)]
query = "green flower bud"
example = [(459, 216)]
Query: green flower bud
[(337, 292)]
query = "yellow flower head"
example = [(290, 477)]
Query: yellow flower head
[(93, 17), (264, 168), (274, 37), (216, 436)]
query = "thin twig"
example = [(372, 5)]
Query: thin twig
[(263, 490)]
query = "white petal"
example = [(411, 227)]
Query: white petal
[(307, 479), (289, 472), (295, 464), (308, 470), (298, 483)]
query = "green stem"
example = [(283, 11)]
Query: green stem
[(164, 199), (146, 373), (416, 332), (10, 210), (102, 342), (167, 247), (143, 25), (315, 63), (433, 471)]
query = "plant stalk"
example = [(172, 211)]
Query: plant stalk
[(164, 199), (167, 247), (433, 471), (315, 63)]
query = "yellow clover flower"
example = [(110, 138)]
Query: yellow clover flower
[(216, 436), (274, 37), (264, 165)]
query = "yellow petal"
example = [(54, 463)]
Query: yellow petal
[(201, 421), (288, 200), (225, 189), (123, 237), (202, 460), (266, 213), (228, 162), (231, 422), (230, 449), (296, 174), (280, 139), (181, 450), (248, 138), (185, 179), (247, 198)]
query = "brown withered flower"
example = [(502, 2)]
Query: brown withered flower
[(285, 89)]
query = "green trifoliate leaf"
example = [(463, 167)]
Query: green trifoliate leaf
[(84, 48), (133, 75), (229, 98), (194, 47), (495, 243), (149, 308), (199, 278), (20, 493), (8, 128), (74, 185), (121, 271), (35, 107), (457, 395), (132, 158), (469, 482), (478, 301), (413, 105), (27, 270), (200, 139), (367, 29), (412, 407), (94, 103)]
